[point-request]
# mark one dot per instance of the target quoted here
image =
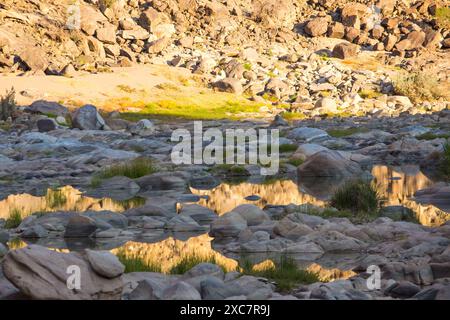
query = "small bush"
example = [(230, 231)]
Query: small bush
[(8, 105), (14, 219), (137, 168), (419, 86), (285, 273), (356, 196)]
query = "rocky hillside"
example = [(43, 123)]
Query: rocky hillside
[(304, 57), (45, 35)]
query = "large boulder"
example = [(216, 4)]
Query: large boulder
[(151, 18), (47, 108), (198, 213), (80, 226), (307, 134), (328, 163), (181, 291), (105, 263), (316, 27), (88, 118), (46, 125), (44, 274), (34, 58), (118, 188), (228, 225), (344, 50), (231, 85), (252, 214)]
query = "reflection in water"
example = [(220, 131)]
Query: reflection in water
[(170, 252), (63, 199), (395, 185), (226, 197)]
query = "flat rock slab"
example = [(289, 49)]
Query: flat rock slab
[(43, 274)]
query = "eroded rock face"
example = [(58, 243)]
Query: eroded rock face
[(43, 274)]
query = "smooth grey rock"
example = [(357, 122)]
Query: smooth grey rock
[(252, 214), (161, 181), (403, 289), (114, 219), (143, 127), (228, 225), (183, 224), (205, 269), (46, 125), (212, 288), (181, 291), (80, 226), (41, 274), (118, 188), (4, 236), (307, 134), (146, 290), (199, 213), (47, 108), (105, 263)]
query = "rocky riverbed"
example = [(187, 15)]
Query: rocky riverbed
[(359, 94), (46, 175)]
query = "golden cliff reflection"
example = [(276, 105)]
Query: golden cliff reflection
[(226, 197), (395, 185), (168, 253), (63, 199)]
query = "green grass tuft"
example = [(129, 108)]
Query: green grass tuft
[(432, 136), (137, 168), (14, 219), (339, 133), (358, 196), (55, 198), (288, 148), (285, 273), (295, 161), (136, 264)]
